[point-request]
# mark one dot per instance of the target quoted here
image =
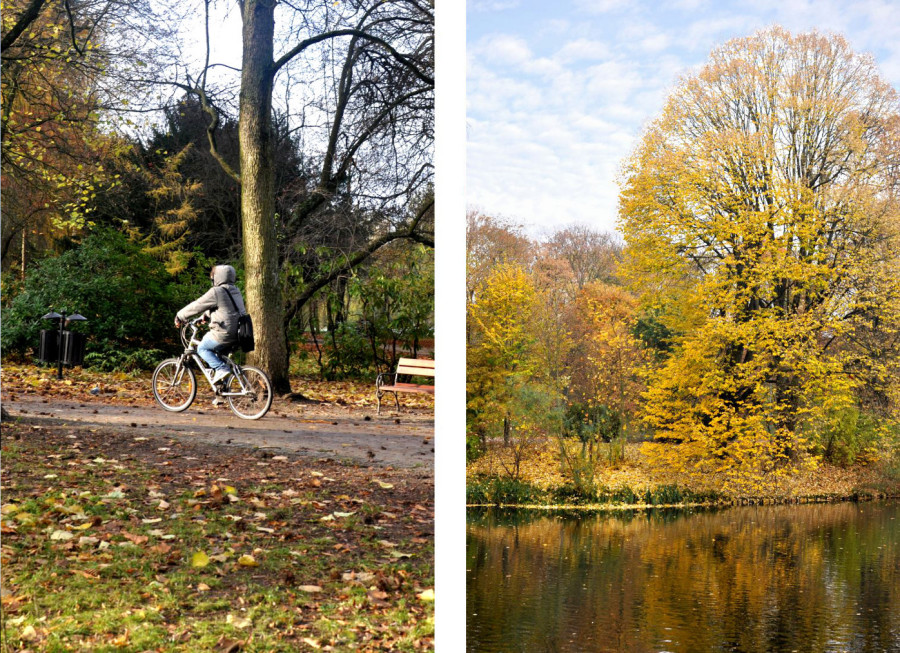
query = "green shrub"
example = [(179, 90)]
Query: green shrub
[(124, 293), (599, 428), (574, 493), (348, 354), (847, 434), (591, 423), (475, 447), (396, 304), (498, 490), (119, 361)]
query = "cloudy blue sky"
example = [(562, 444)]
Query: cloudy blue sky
[(557, 94)]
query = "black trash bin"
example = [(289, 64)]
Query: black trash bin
[(48, 351), (73, 348)]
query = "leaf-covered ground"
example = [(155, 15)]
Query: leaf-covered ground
[(113, 542), (130, 389)]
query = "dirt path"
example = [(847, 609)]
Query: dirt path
[(404, 440)]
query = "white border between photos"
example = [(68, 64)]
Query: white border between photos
[(450, 324)]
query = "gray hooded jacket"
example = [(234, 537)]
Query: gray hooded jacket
[(223, 319)]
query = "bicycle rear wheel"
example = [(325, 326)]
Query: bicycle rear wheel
[(256, 401), (174, 385)]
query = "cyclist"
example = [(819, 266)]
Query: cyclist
[(223, 314)]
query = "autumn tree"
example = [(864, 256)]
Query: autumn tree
[(553, 281), (490, 242), (607, 358), (568, 260), (765, 195), (591, 254), (66, 74), (605, 365), (501, 359)]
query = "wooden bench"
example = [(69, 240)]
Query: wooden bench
[(405, 367)]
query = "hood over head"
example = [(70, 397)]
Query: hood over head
[(223, 274)]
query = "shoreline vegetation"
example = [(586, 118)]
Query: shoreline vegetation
[(540, 483), (722, 503)]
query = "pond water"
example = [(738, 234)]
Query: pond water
[(804, 578)]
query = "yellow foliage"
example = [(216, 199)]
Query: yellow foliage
[(608, 365), (501, 355)]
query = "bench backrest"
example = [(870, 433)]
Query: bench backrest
[(415, 367)]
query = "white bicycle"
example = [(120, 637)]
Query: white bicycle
[(247, 389)]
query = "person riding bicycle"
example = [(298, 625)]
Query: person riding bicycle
[(223, 318)]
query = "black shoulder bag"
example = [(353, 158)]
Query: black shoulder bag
[(245, 327)]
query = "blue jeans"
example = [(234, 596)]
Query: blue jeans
[(209, 350)]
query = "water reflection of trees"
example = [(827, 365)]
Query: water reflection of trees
[(805, 578)]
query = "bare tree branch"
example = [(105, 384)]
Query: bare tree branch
[(27, 18), (354, 260), (318, 38)]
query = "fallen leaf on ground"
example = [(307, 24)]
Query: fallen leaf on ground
[(85, 574), (137, 539), (238, 622)]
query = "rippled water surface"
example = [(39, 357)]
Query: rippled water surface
[(777, 578)]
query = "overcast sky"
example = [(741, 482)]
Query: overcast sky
[(557, 94)]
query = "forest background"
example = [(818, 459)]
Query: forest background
[(133, 161), (746, 329)]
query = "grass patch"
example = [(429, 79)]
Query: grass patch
[(499, 490), (112, 542)]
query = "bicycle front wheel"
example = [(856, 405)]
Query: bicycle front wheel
[(174, 385), (255, 398)]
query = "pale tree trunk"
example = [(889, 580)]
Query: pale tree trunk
[(264, 301)]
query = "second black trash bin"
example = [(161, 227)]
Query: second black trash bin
[(73, 348)]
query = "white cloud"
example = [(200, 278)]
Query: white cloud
[(504, 49), (655, 43), (687, 5), (598, 7), (489, 6), (583, 50)]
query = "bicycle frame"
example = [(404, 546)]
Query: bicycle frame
[(190, 355)]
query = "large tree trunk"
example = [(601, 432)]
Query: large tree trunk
[(264, 301)]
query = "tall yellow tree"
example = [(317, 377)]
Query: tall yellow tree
[(501, 357), (766, 194)]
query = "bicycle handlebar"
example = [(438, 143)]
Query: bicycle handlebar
[(194, 326)]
